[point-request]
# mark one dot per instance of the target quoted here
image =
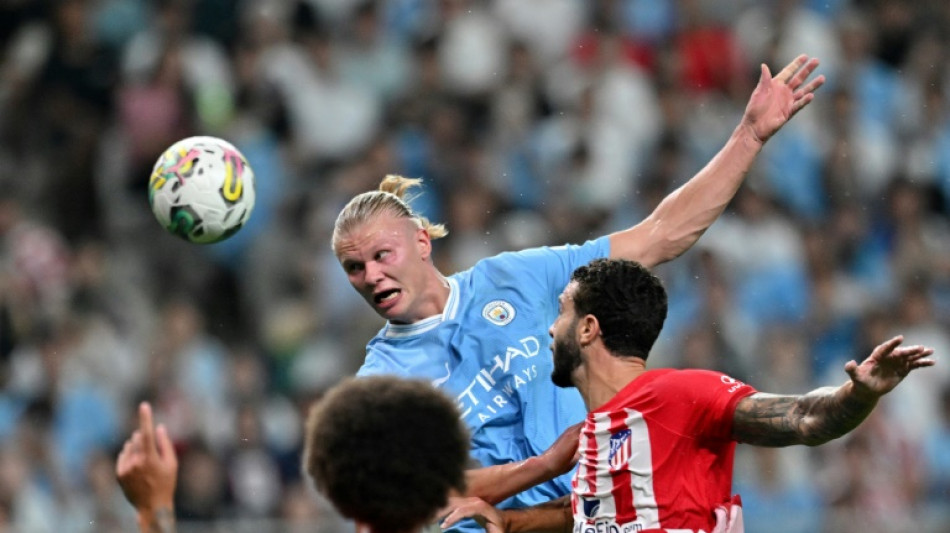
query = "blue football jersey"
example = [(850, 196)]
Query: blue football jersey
[(489, 350)]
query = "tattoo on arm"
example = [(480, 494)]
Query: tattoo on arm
[(811, 419)]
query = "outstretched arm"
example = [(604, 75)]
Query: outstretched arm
[(497, 483), (682, 217), (551, 517), (147, 469), (830, 412)]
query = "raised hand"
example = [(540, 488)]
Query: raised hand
[(775, 100), (887, 365), (147, 469)]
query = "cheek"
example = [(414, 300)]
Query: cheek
[(355, 279)]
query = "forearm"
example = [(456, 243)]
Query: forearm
[(552, 517), (811, 419), (161, 520), (683, 216), (497, 483)]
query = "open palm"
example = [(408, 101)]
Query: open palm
[(887, 365), (775, 100)]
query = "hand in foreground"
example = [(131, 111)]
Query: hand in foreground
[(776, 100), (477, 509), (561, 457), (147, 467), (887, 365)]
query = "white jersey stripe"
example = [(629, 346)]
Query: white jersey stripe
[(400, 331), (640, 467), (616, 460)]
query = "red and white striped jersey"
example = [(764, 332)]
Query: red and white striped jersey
[(658, 455)]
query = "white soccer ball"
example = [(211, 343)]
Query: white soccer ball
[(202, 189)]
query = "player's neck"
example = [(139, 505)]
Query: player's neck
[(433, 299), (603, 375)]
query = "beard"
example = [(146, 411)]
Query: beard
[(567, 358)]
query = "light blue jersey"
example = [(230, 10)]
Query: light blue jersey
[(489, 350)]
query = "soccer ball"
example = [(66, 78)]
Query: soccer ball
[(202, 189)]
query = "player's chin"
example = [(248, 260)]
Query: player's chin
[(391, 309), (561, 377)]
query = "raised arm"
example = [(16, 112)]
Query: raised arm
[(497, 483), (830, 412), (551, 517), (147, 469), (682, 217)]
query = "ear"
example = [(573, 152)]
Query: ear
[(423, 243), (588, 329)]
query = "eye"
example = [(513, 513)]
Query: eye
[(382, 254), (352, 267)]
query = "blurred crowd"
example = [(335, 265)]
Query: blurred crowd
[(532, 122)]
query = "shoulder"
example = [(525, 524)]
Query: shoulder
[(696, 382), (571, 255), (377, 360)]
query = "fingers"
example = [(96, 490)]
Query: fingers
[(136, 441), (122, 464), (811, 87), (886, 347), (146, 429), (786, 73), (800, 103), (851, 367), (802, 74), (457, 514), (912, 352), (764, 76), (913, 357), (922, 363), (463, 508), (166, 450)]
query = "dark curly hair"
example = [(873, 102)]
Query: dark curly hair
[(628, 301), (386, 451)]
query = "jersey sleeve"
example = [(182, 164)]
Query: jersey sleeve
[(372, 367), (378, 362), (548, 268), (706, 400)]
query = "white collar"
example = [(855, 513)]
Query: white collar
[(397, 331)]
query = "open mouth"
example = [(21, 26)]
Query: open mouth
[(384, 296)]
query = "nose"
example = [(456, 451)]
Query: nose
[(551, 331), (372, 273)]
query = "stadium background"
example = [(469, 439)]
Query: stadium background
[(532, 122)]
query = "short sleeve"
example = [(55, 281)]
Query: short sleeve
[(704, 400), (371, 368), (557, 263), (543, 271), (377, 363)]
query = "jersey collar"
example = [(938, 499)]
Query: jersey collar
[(395, 331)]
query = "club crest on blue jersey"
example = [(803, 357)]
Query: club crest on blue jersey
[(619, 449), (498, 312)]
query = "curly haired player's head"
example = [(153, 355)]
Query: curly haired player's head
[(628, 301), (628, 304), (386, 451)]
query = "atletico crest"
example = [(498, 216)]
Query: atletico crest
[(620, 449)]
